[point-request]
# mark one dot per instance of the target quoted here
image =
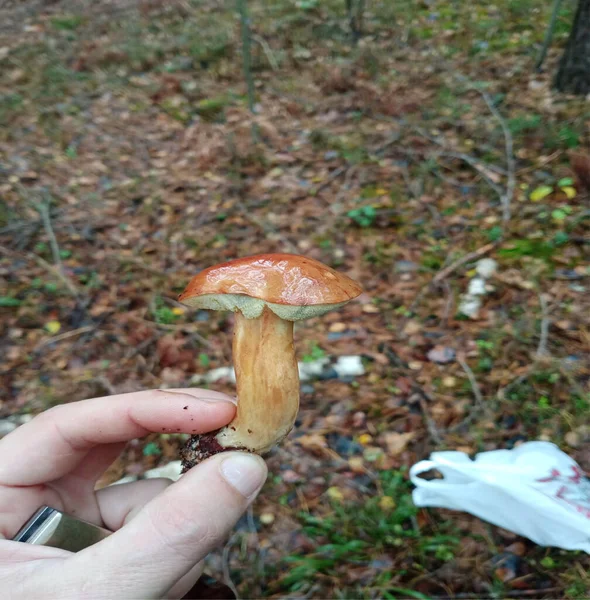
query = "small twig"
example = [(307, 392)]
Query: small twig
[(449, 303), (541, 162), (335, 174), (187, 328), (409, 183), (501, 393), (18, 226), (106, 384), (251, 524), (267, 51), (474, 385), (310, 592), (471, 160), (548, 34), (430, 424), (380, 148), (513, 593), (242, 6), (225, 565), (256, 538), (266, 227), (461, 261), (135, 260), (556, 364), (545, 322), (64, 336), (336, 206), (507, 196), (43, 209), (479, 167), (417, 191), (43, 263), (132, 352), (571, 379), (46, 219)]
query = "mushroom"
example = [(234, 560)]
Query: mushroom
[(267, 293)]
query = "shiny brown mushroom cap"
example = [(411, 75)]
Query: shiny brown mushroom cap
[(292, 286)]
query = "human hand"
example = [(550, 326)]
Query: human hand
[(162, 530)]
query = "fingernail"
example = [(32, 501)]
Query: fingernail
[(244, 472), (204, 395)]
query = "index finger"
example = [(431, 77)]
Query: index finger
[(56, 441)]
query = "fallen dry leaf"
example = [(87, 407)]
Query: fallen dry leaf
[(396, 443)]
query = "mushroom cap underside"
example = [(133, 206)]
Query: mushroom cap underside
[(252, 308)]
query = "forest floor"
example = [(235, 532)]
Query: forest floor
[(127, 164)]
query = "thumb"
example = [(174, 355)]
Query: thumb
[(173, 532)]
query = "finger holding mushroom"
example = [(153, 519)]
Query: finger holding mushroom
[(267, 293)]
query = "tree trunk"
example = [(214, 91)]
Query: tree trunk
[(574, 69)]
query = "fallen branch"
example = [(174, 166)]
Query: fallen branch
[(46, 220), (507, 196), (541, 162), (187, 328), (135, 260), (378, 149), (477, 164), (449, 303), (463, 260), (322, 186), (65, 280), (430, 424), (501, 393), (225, 565), (548, 34), (265, 227), (58, 270), (106, 384), (64, 336), (474, 385), (256, 540), (540, 593), (242, 6), (267, 51), (545, 322), (478, 167), (43, 263)]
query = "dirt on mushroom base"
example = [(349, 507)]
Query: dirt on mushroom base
[(133, 174), (200, 447)]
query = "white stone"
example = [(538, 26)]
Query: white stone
[(349, 366), (486, 267), (313, 369), (477, 287), (215, 375), (346, 366), (470, 305)]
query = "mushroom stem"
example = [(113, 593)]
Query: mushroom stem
[(267, 389), (267, 382)]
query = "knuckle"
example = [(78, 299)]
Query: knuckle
[(184, 530), (51, 414)]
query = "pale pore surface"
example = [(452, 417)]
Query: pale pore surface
[(252, 308)]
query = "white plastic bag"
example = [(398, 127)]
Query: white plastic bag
[(535, 490)]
